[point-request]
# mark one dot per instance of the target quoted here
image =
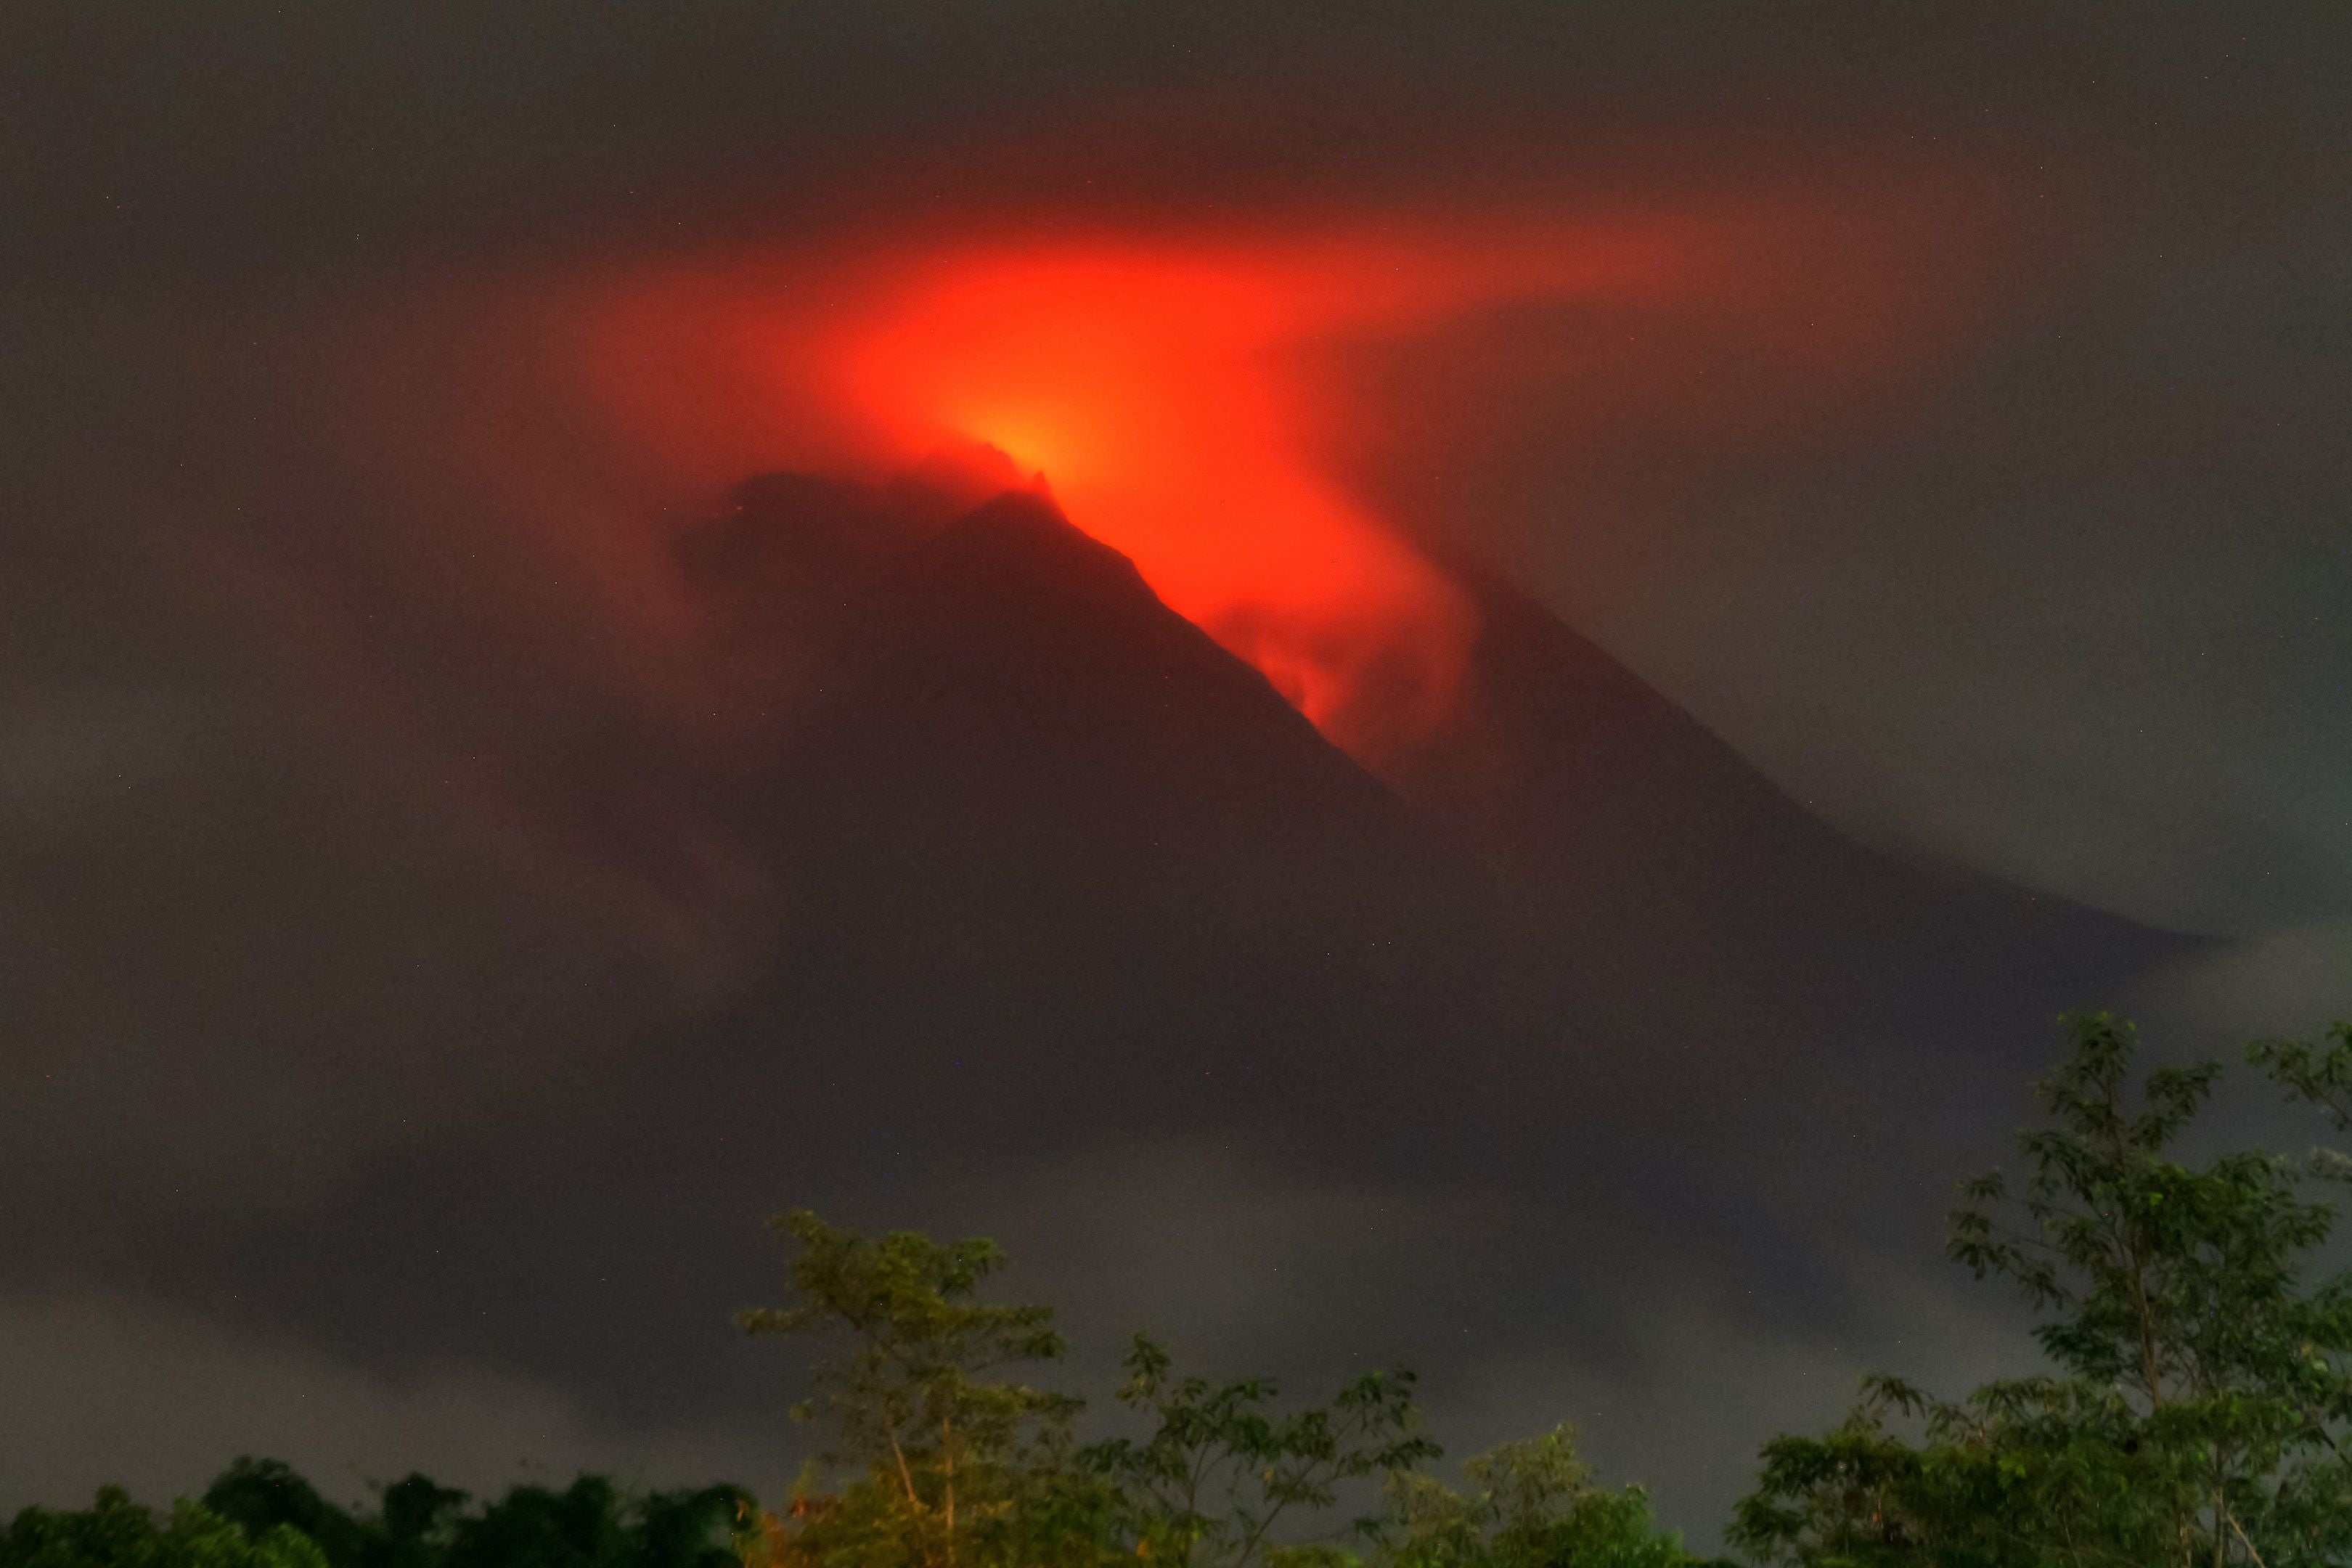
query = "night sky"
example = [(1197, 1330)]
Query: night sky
[(1698, 572)]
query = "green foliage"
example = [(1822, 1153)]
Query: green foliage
[(2197, 1409), (262, 1495), (1222, 1468), (261, 1514), (940, 1459), (1530, 1505), (942, 1464), (2200, 1392), (2319, 1074), (948, 1463), (589, 1524), (413, 1526), (2033, 1471), (116, 1532)]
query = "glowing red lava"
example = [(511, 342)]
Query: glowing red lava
[(1152, 383), (1148, 387)]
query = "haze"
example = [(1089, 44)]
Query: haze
[(454, 889)]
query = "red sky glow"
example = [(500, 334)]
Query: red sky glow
[(1153, 381)]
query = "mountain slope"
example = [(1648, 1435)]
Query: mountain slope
[(1624, 826), (1065, 885), (1090, 831), (1733, 961)]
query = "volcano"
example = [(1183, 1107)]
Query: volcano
[(1064, 877), (1041, 825), (1567, 845)]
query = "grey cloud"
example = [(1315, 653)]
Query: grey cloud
[(330, 838), (1672, 1376), (107, 1387), (2293, 981), (2074, 613), (311, 837), (1686, 1411)]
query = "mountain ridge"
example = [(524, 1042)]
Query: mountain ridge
[(1062, 874)]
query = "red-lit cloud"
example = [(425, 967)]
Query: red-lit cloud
[(1154, 380)]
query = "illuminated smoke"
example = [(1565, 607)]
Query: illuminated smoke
[(1152, 384)]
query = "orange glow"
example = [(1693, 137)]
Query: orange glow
[(1148, 384), (1146, 389), (1154, 382)]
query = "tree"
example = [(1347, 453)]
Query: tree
[(2199, 1396), (1530, 1505), (941, 1452), (262, 1495), (2319, 1075), (691, 1528), (1222, 1468), (116, 1532), (419, 1523), (2039, 1471), (415, 1520), (948, 1465)]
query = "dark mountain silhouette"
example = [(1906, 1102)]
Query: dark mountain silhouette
[(1062, 874), (1040, 821), (1039, 813), (1725, 955)]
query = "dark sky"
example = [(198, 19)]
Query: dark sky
[(342, 819)]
